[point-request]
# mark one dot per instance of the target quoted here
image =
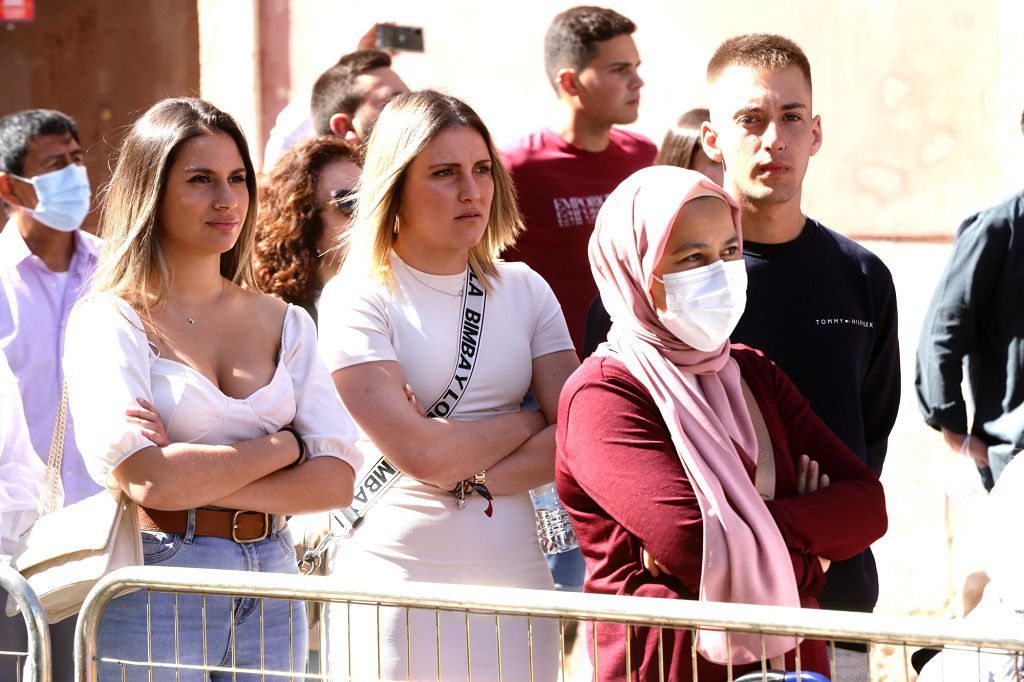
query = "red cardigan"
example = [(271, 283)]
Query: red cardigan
[(620, 478)]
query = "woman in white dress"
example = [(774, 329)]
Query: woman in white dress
[(425, 318), (202, 400)]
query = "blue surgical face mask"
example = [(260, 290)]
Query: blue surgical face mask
[(62, 197)]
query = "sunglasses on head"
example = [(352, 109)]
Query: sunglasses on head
[(344, 200)]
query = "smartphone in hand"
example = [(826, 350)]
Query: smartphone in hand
[(392, 38)]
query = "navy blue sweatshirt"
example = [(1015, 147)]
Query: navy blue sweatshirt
[(824, 309)]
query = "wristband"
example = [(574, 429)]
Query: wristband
[(474, 484), (302, 446)]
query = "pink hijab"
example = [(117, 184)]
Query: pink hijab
[(745, 559)]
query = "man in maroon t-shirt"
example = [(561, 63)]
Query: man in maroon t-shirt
[(564, 173)]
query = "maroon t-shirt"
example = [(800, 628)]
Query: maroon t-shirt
[(621, 480), (561, 188)]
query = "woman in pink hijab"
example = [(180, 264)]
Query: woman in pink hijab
[(693, 468)]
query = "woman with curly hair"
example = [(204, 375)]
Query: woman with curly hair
[(306, 202)]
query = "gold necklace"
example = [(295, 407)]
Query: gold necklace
[(412, 273), (192, 320)]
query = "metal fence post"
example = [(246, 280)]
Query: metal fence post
[(37, 666)]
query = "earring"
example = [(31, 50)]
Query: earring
[(395, 227)]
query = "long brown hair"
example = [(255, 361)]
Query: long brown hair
[(682, 141), (290, 223), (132, 265)]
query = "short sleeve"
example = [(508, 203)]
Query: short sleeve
[(354, 327), (321, 419), (551, 334), (107, 362)]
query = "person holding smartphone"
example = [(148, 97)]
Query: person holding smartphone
[(345, 101)]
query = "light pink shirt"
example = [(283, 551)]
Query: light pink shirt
[(33, 313)]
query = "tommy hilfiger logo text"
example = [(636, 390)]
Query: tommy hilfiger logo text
[(845, 320)]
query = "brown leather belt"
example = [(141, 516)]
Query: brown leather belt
[(241, 526)]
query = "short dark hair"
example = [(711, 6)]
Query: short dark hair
[(335, 92), (571, 40), (763, 51), (17, 129)]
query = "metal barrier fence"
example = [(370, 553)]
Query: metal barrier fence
[(500, 606), (35, 661)]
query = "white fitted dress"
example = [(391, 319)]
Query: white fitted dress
[(415, 532)]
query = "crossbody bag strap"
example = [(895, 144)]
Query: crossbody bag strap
[(51, 481), (373, 481), (764, 478)]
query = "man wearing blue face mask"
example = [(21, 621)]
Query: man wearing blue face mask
[(45, 263)]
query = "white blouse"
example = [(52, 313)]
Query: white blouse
[(109, 365), (21, 470)]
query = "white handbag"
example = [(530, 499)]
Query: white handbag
[(68, 550)]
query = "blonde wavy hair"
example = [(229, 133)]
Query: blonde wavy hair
[(407, 125), (132, 265)]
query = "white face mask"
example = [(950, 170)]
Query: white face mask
[(62, 197), (704, 305)]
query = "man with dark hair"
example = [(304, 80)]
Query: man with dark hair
[(45, 261), (564, 173), (976, 314), (349, 96), (345, 101), (818, 304)]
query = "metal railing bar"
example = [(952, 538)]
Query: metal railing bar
[(496, 601), (211, 668), (813, 623)]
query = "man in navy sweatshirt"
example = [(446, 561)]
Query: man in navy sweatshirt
[(818, 304)]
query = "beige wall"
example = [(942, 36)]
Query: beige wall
[(920, 99)]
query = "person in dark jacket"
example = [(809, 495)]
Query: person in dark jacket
[(976, 314)]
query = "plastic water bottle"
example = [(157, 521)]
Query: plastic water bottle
[(554, 530)]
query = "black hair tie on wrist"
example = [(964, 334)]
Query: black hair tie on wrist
[(302, 446)]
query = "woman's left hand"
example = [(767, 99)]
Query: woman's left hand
[(411, 397), (152, 428), (808, 477), (652, 565)]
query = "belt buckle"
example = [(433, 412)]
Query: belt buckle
[(234, 527)]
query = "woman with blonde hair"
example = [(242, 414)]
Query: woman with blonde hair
[(433, 342), (201, 399)]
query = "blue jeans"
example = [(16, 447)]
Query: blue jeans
[(255, 634)]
